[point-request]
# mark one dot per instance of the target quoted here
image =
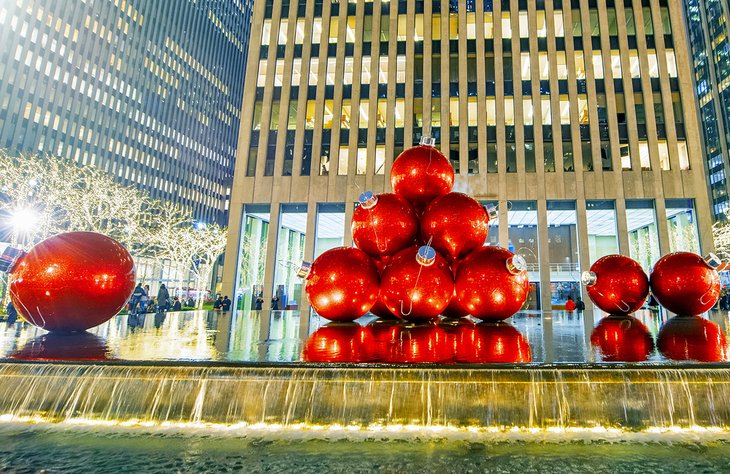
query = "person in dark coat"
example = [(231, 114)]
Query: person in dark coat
[(218, 305), (162, 298), (136, 299), (177, 306), (226, 304)]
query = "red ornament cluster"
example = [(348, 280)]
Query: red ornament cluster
[(420, 253)]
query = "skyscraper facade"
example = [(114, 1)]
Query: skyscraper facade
[(708, 28), (149, 91), (575, 118)]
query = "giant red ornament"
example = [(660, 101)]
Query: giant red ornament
[(417, 285), (383, 224), (685, 283), (72, 281), (491, 343), (341, 284), (339, 342), (692, 338), (492, 283), (421, 174), (622, 338), (455, 224), (617, 284)]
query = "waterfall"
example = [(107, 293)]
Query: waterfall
[(501, 398)]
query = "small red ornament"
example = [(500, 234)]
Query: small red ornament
[(622, 338), (341, 284), (339, 342), (72, 281), (423, 343), (492, 343), (685, 283), (692, 338), (455, 224), (492, 283), (617, 284), (383, 225), (55, 346), (417, 285), (421, 174)]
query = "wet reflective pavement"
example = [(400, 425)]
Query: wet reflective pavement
[(261, 337)]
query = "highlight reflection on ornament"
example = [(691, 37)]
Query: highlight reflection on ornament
[(622, 338), (617, 284), (72, 281), (685, 283), (692, 338), (417, 285), (492, 283), (420, 174), (341, 284), (383, 224)]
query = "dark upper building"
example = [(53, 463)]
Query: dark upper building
[(150, 91), (708, 28)]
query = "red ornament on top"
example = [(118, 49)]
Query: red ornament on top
[(72, 281), (492, 283), (418, 284), (617, 284), (455, 224), (421, 174), (341, 284), (685, 283), (384, 224)]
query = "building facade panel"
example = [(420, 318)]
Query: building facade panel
[(573, 117)]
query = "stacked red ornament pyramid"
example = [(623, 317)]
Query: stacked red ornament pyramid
[(420, 253)]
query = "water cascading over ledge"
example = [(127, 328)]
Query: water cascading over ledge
[(633, 399)]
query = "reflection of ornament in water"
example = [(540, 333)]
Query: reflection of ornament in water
[(339, 342), (425, 343), (72, 281), (386, 334), (493, 342), (685, 283), (55, 346), (617, 284), (692, 338), (621, 338)]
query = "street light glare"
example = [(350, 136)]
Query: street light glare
[(24, 219)]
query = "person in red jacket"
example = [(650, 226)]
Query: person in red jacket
[(570, 305)]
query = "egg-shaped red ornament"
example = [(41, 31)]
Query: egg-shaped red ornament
[(493, 342), (339, 342), (492, 283), (685, 283), (622, 338), (423, 343), (455, 224), (341, 284), (617, 284), (417, 284), (692, 338), (383, 224), (72, 282), (421, 174)]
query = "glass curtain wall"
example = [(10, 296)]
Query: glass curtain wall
[(493, 235), (602, 233), (522, 234), (682, 226), (252, 255), (330, 229), (287, 288), (643, 233), (563, 247)]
